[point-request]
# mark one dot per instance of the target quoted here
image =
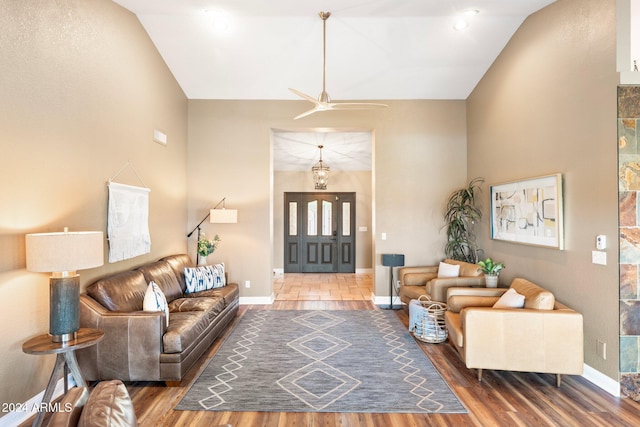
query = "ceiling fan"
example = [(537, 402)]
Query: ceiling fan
[(323, 103)]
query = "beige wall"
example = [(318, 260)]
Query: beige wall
[(82, 90), (358, 182), (419, 158), (548, 104)]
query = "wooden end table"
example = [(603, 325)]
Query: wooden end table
[(65, 359)]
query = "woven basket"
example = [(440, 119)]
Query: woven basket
[(429, 325)]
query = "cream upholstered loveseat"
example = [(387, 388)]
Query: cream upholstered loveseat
[(417, 281), (544, 336)]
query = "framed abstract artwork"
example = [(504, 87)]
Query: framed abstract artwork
[(529, 211)]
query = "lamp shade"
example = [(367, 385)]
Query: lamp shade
[(393, 260), (64, 251), (223, 216)]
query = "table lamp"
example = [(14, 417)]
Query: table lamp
[(392, 260), (61, 254)]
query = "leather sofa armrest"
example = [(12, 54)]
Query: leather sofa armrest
[(71, 407), (419, 275), (437, 288), (523, 339), (484, 292), (131, 347), (457, 302)]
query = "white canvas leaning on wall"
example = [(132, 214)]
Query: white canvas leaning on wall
[(529, 211)]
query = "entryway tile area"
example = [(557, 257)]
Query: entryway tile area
[(323, 287)]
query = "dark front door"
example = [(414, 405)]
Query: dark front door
[(319, 233)]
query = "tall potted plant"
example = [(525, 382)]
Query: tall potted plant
[(460, 217)]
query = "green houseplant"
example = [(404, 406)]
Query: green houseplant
[(460, 217), (207, 246), (491, 271)]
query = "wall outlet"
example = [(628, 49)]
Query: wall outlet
[(247, 283), (601, 349)]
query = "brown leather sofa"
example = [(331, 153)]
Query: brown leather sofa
[(544, 336), (107, 405), (416, 281), (138, 345)]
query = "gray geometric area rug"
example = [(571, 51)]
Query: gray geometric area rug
[(320, 361)]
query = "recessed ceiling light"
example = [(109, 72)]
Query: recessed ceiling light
[(220, 20), (460, 25), (471, 12)]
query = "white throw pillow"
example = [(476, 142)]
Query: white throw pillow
[(154, 300), (448, 270), (510, 299), (204, 278)]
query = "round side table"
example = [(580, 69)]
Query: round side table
[(65, 359)]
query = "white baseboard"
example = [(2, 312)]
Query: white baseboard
[(30, 407), (384, 300), (257, 300), (599, 379), (278, 271)]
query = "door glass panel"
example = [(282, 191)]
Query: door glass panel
[(293, 218), (346, 219), (326, 218), (312, 218)]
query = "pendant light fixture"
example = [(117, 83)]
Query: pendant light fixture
[(320, 173)]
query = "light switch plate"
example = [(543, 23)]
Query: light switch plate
[(599, 257)]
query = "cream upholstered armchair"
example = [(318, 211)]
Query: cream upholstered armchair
[(543, 336), (416, 281)]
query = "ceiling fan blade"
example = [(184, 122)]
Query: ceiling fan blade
[(307, 113), (355, 106), (323, 103), (304, 96)]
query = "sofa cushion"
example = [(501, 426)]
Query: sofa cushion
[(187, 327), (109, 405), (162, 273), (510, 299), (195, 304), (178, 263), (229, 293), (535, 297), (122, 292), (204, 277), (448, 270), (154, 300)]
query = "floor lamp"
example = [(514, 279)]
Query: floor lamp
[(392, 260), (216, 216)]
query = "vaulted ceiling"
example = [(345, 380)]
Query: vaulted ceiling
[(375, 49)]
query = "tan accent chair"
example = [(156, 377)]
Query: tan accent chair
[(416, 281), (545, 336)]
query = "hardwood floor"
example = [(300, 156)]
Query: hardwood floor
[(501, 399), (323, 287)]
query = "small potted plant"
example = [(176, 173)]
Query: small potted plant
[(491, 271), (206, 247)]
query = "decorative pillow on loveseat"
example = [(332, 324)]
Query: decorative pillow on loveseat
[(510, 299), (204, 277), (448, 270), (154, 300)]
